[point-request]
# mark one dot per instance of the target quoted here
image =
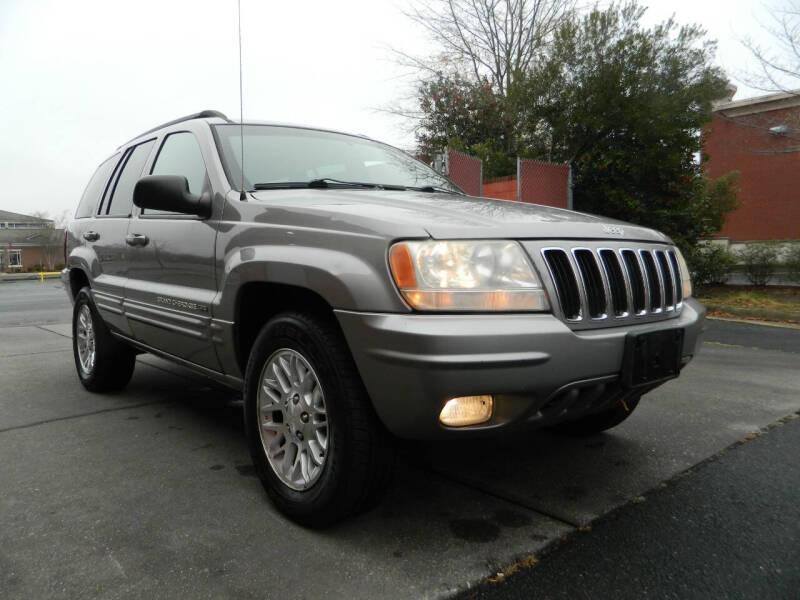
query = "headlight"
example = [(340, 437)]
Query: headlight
[(686, 279), (466, 276)]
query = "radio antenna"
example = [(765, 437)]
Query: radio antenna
[(242, 194)]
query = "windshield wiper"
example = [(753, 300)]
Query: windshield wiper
[(434, 188), (329, 182), (323, 182)]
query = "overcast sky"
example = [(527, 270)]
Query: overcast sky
[(79, 78)]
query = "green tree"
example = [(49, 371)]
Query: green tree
[(624, 105), (470, 117)]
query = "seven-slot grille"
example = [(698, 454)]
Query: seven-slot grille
[(598, 284)]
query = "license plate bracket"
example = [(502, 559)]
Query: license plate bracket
[(652, 357)]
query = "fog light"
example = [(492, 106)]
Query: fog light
[(466, 410)]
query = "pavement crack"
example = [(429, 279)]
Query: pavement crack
[(69, 337), (34, 353), (491, 494), (79, 416)]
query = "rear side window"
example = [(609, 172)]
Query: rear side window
[(97, 185), (121, 197)]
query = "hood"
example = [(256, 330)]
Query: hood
[(448, 216)]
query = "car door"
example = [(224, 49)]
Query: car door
[(105, 236), (171, 281)]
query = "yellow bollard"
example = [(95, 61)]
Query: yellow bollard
[(41, 276)]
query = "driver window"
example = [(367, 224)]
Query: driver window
[(180, 155)]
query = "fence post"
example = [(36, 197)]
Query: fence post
[(519, 180), (447, 162), (569, 188)]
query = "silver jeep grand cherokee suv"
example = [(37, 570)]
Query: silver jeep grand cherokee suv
[(354, 295)]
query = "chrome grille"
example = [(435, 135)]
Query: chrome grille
[(598, 284)]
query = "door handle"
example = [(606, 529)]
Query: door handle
[(91, 236), (136, 239)]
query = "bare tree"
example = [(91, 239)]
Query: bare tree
[(52, 245), (51, 236), (43, 215), (778, 67), (778, 71), (62, 219), (485, 40)]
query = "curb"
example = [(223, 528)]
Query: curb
[(755, 322), (4, 278)]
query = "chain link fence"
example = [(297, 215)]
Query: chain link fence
[(544, 183), (465, 171), (536, 182)]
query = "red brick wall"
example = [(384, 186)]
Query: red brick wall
[(504, 188), (31, 256), (769, 182)]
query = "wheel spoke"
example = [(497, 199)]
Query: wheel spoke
[(286, 368), (303, 454), (272, 401), (281, 378), (274, 428), (316, 452)]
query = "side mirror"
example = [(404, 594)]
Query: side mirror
[(170, 193)]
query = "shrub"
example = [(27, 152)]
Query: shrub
[(710, 264), (36, 268), (759, 261), (793, 262)]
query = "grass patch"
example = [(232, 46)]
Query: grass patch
[(773, 303)]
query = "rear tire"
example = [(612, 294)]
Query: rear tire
[(601, 421), (104, 364), (329, 455)]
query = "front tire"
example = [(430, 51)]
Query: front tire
[(104, 364), (318, 448)]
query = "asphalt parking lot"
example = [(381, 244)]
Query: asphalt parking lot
[(150, 492)]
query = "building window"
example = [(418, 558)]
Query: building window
[(14, 259)]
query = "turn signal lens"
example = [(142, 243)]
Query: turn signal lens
[(686, 278), (402, 267), (466, 410)]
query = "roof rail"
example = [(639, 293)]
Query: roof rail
[(204, 114)]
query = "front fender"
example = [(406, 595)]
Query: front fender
[(344, 280)]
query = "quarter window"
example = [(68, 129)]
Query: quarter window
[(96, 187), (122, 194)]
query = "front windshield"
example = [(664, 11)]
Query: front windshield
[(278, 156)]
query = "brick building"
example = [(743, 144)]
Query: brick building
[(29, 243), (760, 138)]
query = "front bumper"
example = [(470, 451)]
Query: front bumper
[(412, 364)]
